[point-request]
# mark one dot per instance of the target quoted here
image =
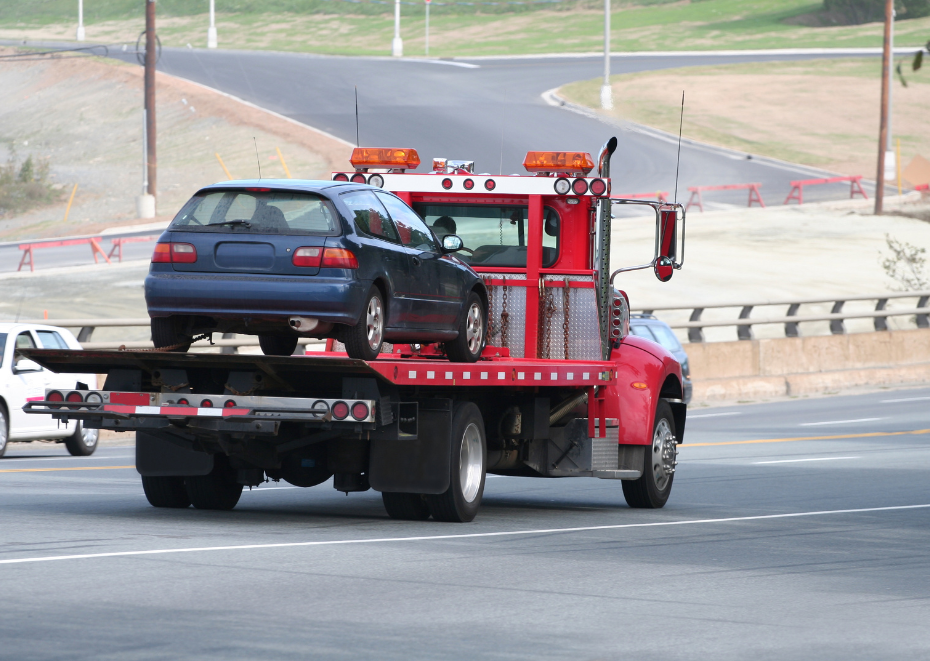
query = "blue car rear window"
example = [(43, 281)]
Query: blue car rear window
[(257, 212)]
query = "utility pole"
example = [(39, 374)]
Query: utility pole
[(80, 28), (883, 126), (211, 31), (607, 95), (427, 27), (397, 45), (145, 204)]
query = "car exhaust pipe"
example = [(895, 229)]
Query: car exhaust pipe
[(304, 324)]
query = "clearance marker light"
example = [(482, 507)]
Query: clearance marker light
[(558, 161), (639, 385), (396, 159)]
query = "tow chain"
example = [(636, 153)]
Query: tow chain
[(505, 316), (549, 309), (490, 289), (205, 336), (566, 302)]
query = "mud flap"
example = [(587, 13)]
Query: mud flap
[(158, 457), (416, 466)]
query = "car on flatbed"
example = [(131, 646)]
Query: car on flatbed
[(23, 380), (284, 259)]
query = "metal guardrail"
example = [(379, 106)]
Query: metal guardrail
[(791, 319)]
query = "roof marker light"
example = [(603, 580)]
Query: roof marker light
[(376, 180), (598, 187), (562, 186), (468, 184), (340, 176), (358, 178), (447, 183), (490, 184), (365, 157), (579, 187), (558, 161)]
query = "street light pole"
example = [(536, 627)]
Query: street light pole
[(80, 27), (150, 134), (883, 125), (890, 164), (607, 96), (397, 45), (211, 31), (427, 27)]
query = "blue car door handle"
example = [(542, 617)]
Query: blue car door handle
[(416, 261)]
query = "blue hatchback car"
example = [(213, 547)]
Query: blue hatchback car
[(284, 259)]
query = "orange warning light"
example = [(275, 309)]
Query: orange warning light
[(365, 157), (558, 161)]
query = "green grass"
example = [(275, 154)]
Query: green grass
[(460, 29)]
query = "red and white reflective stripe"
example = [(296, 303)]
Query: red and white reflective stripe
[(489, 373), (189, 411)]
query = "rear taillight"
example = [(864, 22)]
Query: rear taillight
[(55, 396), (307, 257), (177, 253), (340, 410), (339, 258), (360, 410), (74, 396)]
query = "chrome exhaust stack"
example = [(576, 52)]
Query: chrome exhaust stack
[(602, 255)]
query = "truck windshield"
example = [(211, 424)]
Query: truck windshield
[(256, 212), (494, 235)]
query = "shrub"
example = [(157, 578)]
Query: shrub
[(24, 186), (867, 11)]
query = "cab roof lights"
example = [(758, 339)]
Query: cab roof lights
[(395, 159), (558, 161)]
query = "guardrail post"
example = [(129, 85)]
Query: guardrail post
[(791, 328), (922, 319), (85, 334), (744, 331), (696, 334), (229, 336), (881, 323), (837, 326)]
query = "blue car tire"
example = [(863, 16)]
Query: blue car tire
[(364, 340)]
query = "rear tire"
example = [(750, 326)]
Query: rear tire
[(473, 332), (364, 340), (83, 441), (165, 492), (170, 332), (406, 506), (4, 430), (216, 491), (278, 345), (651, 491), (460, 502)]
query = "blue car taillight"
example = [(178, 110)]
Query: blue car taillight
[(339, 258), (307, 257)]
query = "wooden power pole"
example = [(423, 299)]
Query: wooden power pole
[(150, 58), (883, 125)]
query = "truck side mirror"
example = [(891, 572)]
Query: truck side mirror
[(665, 261), (664, 269), (26, 365), (452, 243)]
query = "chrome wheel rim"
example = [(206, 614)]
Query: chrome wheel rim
[(664, 454), (474, 328), (471, 462), (374, 322), (89, 436)]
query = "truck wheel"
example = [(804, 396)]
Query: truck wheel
[(473, 335), (406, 506), (83, 441), (277, 345), (469, 462), (216, 491), (363, 340), (4, 430), (168, 334), (654, 487), (165, 491)]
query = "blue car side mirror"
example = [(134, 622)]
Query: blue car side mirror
[(451, 243)]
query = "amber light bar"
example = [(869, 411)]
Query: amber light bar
[(558, 161), (366, 157)]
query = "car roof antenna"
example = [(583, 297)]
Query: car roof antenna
[(357, 143), (257, 159), (681, 123)]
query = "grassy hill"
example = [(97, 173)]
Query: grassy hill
[(365, 27)]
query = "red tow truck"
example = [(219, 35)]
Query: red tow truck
[(562, 389)]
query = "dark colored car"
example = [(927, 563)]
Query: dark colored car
[(284, 259), (650, 328)]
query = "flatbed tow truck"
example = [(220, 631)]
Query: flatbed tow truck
[(561, 390)]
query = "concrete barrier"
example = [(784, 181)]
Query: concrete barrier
[(808, 365)]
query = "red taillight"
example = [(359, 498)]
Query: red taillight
[(360, 410), (230, 404), (339, 176), (55, 396), (579, 186), (183, 402), (339, 258), (206, 404), (340, 410), (447, 183), (258, 190), (358, 178), (307, 257), (74, 396), (598, 187), (468, 184), (178, 253)]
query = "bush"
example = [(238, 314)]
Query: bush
[(854, 12), (25, 186)]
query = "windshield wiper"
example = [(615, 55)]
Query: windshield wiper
[(244, 223)]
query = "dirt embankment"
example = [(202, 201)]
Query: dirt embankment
[(84, 116)]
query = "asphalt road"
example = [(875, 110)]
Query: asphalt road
[(808, 541)]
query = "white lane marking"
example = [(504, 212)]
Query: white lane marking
[(475, 535), (464, 65), (712, 415), (795, 461), (69, 458), (256, 489), (906, 399), (837, 422)]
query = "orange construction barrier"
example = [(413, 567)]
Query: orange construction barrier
[(28, 257), (697, 198), (119, 241), (797, 187)]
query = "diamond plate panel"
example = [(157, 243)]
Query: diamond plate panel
[(516, 311), (583, 331)]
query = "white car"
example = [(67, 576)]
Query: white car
[(23, 380)]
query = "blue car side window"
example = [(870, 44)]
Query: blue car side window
[(369, 214), (413, 231)]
